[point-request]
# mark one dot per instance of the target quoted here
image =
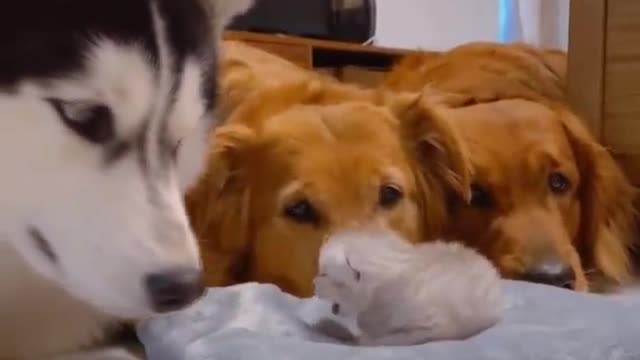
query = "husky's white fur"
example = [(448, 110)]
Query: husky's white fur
[(105, 229), (389, 292)]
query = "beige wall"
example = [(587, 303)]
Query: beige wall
[(442, 24), (546, 22), (435, 24)]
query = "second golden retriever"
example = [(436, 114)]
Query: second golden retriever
[(549, 203)]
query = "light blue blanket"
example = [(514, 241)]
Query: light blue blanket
[(258, 322)]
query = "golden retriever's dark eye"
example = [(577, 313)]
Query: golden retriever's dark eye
[(390, 196), (481, 198), (302, 212), (558, 183)]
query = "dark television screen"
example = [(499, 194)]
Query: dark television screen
[(308, 18)]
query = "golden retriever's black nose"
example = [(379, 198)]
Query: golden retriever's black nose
[(174, 289), (552, 271)]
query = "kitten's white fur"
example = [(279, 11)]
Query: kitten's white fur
[(403, 294)]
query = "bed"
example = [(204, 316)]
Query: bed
[(257, 321)]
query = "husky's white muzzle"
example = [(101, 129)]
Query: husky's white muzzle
[(101, 103), (111, 235)]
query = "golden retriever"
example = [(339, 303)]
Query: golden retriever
[(549, 204), (299, 163)]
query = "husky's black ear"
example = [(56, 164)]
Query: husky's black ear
[(224, 11)]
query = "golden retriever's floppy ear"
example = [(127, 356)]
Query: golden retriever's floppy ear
[(218, 206), (607, 225), (437, 145)]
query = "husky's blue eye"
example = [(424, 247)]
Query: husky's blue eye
[(93, 122)]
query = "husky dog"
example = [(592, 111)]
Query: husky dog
[(105, 106)]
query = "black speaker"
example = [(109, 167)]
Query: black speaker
[(353, 20), (340, 20)]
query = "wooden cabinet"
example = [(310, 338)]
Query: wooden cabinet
[(312, 53), (361, 64), (604, 74)]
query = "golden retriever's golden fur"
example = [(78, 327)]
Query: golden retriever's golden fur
[(245, 69), (297, 163), (488, 71), (544, 191)]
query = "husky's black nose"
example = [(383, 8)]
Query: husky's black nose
[(174, 289)]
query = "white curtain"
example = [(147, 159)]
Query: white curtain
[(435, 24), (443, 24), (537, 22)]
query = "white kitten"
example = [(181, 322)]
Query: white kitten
[(389, 292)]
